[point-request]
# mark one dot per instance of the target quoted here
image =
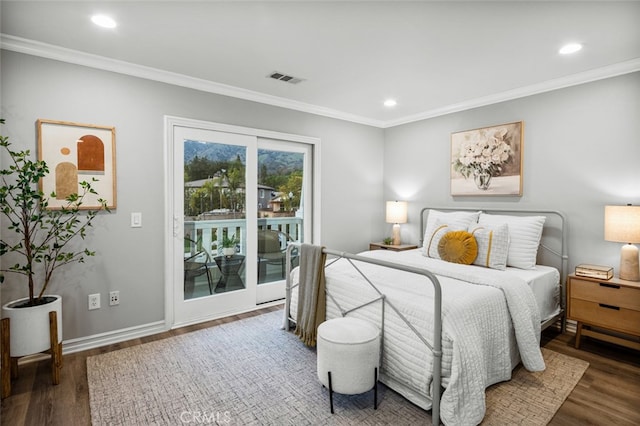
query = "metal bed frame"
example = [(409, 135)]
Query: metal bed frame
[(436, 348)]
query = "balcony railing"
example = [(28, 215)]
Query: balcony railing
[(207, 234)]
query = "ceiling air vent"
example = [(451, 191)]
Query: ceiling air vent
[(286, 78)]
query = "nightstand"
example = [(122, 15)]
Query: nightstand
[(612, 305), (401, 247)]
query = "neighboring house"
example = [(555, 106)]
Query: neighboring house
[(281, 202), (276, 204), (265, 193)]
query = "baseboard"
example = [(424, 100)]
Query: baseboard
[(224, 315), (111, 337)]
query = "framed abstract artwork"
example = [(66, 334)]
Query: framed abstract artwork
[(487, 161), (75, 153)]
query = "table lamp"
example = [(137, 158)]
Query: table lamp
[(396, 214), (622, 225)]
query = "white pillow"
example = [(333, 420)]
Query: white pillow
[(432, 238), (457, 221), (524, 237), (493, 245)]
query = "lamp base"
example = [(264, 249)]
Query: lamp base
[(629, 268), (396, 234)]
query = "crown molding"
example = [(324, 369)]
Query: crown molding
[(49, 51), (534, 89), (36, 48)]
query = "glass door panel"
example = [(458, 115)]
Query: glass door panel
[(215, 218), (282, 174), (217, 272)]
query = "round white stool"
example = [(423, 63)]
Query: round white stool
[(348, 352)]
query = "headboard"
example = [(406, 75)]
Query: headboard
[(553, 244)]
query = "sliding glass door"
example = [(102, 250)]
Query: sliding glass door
[(238, 201)]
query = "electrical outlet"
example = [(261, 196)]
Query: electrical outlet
[(114, 298), (94, 301)]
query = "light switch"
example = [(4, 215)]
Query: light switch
[(136, 220)]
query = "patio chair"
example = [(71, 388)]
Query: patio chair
[(272, 250), (196, 265)]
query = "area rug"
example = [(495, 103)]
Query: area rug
[(533, 398), (249, 372)]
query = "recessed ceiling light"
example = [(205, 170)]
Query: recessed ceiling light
[(570, 48), (390, 103), (103, 21)]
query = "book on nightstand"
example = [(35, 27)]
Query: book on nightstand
[(594, 271)]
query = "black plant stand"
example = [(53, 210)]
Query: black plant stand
[(229, 267)]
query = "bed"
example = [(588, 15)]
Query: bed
[(450, 330)]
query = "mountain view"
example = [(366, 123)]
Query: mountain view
[(276, 162), (219, 172)]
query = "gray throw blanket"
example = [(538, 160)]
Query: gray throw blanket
[(312, 304)]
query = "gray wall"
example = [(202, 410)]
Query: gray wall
[(130, 259), (581, 152)]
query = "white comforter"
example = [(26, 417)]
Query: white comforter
[(482, 311)]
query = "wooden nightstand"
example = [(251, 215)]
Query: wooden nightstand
[(612, 304), (401, 247)]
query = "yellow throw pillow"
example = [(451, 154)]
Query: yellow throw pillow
[(458, 247)]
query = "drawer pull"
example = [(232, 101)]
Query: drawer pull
[(602, 305), (609, 285)]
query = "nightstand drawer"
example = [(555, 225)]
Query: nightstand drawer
[(603, 292), (605, 315)]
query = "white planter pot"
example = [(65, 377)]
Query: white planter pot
[(229, 251), (29, 326)]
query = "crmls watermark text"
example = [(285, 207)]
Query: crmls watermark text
[(204, 417)]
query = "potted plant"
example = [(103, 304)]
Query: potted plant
[(37, 240), (229, 244)]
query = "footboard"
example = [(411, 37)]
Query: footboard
[(436, 348)]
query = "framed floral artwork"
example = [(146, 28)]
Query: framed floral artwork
[(487, 161), (75, 153)]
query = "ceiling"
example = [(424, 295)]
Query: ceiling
[(432, 57)]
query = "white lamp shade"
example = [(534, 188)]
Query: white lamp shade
[(622, 224), (396, 212)]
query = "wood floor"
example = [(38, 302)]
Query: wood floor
[(607, 394)]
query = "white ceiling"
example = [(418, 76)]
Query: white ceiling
[(433, 57)]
